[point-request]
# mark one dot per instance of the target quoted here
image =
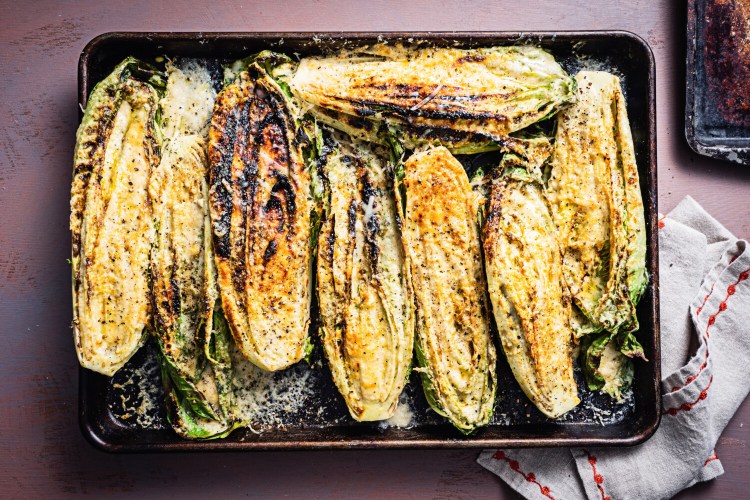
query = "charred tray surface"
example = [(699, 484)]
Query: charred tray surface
[(300, 407)]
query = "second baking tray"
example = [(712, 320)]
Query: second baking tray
[(717, 120), (300, 407)]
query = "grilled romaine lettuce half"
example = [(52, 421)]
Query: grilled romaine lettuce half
[(465, 99), (117, 147), (367, 325), (184, 291), (597, 207), (261, 207), (191, 335), (455, 353), (529, 297)]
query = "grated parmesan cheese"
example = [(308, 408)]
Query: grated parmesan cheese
[(189, 101)]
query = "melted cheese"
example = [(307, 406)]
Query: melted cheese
[(188, 102), (403, 417)]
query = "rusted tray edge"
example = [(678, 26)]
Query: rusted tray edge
[(93, 432)]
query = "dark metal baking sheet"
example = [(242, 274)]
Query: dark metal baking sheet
[(717, 120), (323, 423)]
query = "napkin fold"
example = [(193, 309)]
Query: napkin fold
[(704, 274)]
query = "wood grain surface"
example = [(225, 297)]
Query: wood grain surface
[(44, 453)]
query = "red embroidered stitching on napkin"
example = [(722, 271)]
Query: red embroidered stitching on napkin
[(598, 478), (530, 477), (731, 290), (713, 457), (689, 406), (693, 377)]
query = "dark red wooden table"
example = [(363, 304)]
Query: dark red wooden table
[(43, 452)]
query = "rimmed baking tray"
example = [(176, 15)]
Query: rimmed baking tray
[(717, 120), (321, 422)]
